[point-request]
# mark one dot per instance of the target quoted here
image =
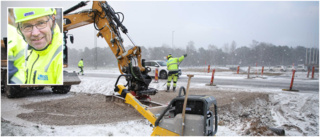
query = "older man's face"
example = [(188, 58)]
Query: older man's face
[(38, 37)]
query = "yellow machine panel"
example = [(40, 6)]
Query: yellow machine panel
[(158, 131)]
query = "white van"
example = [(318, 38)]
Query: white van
[(162, 68)]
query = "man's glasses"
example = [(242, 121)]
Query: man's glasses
[(39, 25)]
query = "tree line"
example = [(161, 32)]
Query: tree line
[(264, 54)]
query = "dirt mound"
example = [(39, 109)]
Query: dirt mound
[(257, 128)]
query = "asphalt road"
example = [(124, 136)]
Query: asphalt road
[(280, 82), (303, 85)]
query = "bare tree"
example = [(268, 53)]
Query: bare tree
[(233, 47), (254, 44), (226, 47)]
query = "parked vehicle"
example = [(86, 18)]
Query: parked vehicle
[(278, 68), (290, 68), (301, 68), (162, 68), (232, 67)]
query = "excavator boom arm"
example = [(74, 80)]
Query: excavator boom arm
[(106, 23)]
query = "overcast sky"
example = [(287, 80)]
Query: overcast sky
[(150, 24)]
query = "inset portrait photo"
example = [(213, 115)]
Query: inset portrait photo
[(34, 46)]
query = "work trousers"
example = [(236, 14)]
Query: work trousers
[(173, 75), (81, 70)]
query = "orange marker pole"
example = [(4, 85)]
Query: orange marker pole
[(249, 72), (293, 71), (312, 75), (212, 77), (256, 69), (238, 69), (156, 76)]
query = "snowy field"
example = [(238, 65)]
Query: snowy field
[(296, 111)]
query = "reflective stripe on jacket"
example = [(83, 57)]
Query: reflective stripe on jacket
[(46, 66), (172, 63), (16, 48)]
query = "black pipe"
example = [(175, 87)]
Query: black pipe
[(116, 89), (79, 5), (182, 89)]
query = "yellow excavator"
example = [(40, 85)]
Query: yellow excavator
[(198, 119)]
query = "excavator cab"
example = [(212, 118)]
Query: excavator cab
[(199, 120)]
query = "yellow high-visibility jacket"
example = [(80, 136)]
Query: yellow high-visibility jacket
[(46, 66), (16, 49), (172, 63), (80, 64)]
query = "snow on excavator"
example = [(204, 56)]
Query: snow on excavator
[(189, 113)]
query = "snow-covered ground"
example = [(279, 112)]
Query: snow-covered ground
[(298, 112)]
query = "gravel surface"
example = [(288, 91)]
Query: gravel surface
[(78, 110)]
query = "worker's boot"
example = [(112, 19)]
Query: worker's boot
[(168, 89), (174, 89)]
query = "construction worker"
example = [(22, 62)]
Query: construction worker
[(37, 26), (80, 65), (173, 68), (16, 62)]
